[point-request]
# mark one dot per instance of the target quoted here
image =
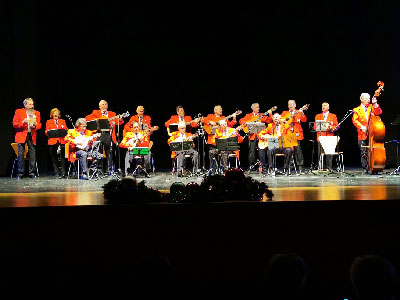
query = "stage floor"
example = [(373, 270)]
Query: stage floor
[(49, 191)]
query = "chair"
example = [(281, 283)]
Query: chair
[(14, 146), (236, 160), (329, 144), (291, 159)]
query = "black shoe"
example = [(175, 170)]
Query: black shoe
[(20, 176), (32, 176)]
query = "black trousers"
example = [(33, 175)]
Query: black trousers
[(271, 156), (106, 141), (54, 159), (364, 152), (31, 153), (298, 153)]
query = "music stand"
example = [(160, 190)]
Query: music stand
[(228, 144), (57, 133), (140, 151), (255, 127), (181, 146), (98, 124)]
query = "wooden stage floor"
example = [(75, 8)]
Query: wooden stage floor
[(48, 191)]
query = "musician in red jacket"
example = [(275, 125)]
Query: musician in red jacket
[(26, 121), (106, 138), (57, 145), (253, 137), (333, 122), (296, 117), (143, 120), (361, 115), (180, 117)]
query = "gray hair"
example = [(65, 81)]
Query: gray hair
[(364, 95), (252, 106), (26, 100), (80, 121)]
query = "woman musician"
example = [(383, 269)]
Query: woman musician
[(56, 141)]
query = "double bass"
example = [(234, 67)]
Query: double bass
[(376, 134)]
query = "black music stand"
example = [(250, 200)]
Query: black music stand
[(57, 133), (229, 144), (98, 124), (254, 127), (181, 146), (140, 152)]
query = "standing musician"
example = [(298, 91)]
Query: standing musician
[(143, 120), (253, 137), (26, 121), (79, 140), (277, 129), (180, 136), (333, 122), (212, 121), (296, 117), (224, 132), (180, 117), (133, 139), (361, 115), (57, 145), (106, 138)]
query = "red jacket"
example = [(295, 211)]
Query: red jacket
[(70, 146), (131, 135), (296, 122), (96, 114), (359, 119), (333, 122), (251, 118), (21, 129), (214, 118), (51, 124), (145, 120)]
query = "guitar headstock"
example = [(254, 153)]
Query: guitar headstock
[(274, 108), (238, 112), (125, 115), (305, 107)]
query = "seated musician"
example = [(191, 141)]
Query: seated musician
[(332, 120), (79, 142), (253, 137), (280, 130), (57, 144), (211, 123), (180, 117), (107, 135), (133, 139), (224, 132), (181, 136)]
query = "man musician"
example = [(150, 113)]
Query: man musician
[(26, 121), (253, 137), (211, 124), (181, 136), (332, 123), (143, 120), (225, 132), (281, 130), (133, 139), (180, 117), (107, 135), (361, 115), (57, 144), (295, 117), (79, 142)]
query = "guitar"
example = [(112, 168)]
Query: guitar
[(209, 128), (133, 141), (246, 128), (304, 108), (124, 115), (286, 140), (84, 142)]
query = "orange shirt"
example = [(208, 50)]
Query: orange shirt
[(51, 124), (214, 118), (333, 122), (21, 129), (360, 118), (296, 122), (131, 135), (251, 117)]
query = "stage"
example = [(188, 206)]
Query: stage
[(351, 185)]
